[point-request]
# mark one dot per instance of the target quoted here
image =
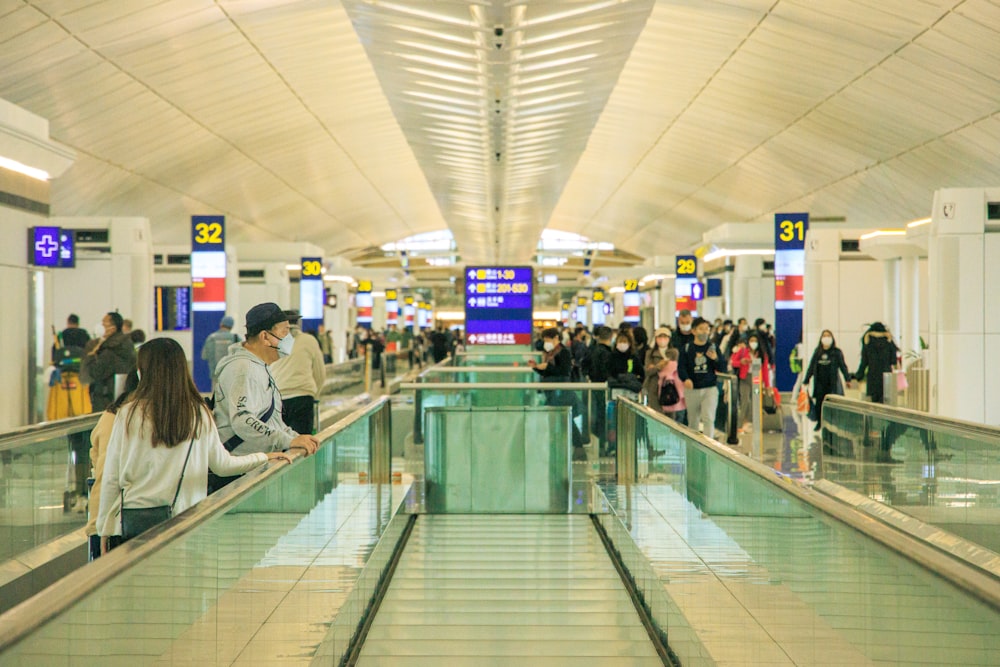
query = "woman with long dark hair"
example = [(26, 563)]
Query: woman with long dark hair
[(163, 443), (826, 365)]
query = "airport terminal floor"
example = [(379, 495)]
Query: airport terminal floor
[(448, 523)]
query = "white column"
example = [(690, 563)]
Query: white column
[(909, 301), (747, 296), (336, 319), (890, 295)]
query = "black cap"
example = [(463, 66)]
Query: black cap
[(263, 316)]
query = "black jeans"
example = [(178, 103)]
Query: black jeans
[(298, 413)]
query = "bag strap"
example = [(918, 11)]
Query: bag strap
[(181, 480)]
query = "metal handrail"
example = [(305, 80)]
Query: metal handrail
[(19, 622), (533, 386), (479, 369), (35, 433), (914, 418), (966, 577)]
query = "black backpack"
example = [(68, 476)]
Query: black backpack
[(668, 394)]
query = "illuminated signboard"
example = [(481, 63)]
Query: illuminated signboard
[(581, 309), (687, 276), (208, 286), (311, 293), (172, 308), (365, 303), (391, 308), (408, 312), (597, 310), (498, 305), (630, 302), (564, 314), (44, 246), (789, 269)]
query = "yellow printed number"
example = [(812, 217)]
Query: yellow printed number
[(792, 231), (312, 268), (631, 285), (686, 267), (207, 233)]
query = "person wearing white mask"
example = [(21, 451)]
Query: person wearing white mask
[(682, 334), (741, 362), (247, 403), (697, 365), (826, 367), (655, 362), (556, 366)]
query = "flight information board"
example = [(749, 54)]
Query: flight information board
[(499, 306)]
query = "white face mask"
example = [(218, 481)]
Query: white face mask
[(826, 340), (622, 347), (685, 328), (549, 346), (753, 345), (285, 344)]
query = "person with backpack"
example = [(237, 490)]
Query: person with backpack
[(217, 345), (670, 389), (697, 365)]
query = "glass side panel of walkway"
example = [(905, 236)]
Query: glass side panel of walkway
[(737, 565)]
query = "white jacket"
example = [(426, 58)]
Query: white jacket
[(303, 372), (149, 475)]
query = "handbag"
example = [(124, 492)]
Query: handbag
[(901, 382), (769, 402), (138, 520)]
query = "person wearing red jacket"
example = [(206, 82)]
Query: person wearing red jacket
[(741, 362)]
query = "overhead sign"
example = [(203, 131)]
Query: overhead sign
[(408, 312), (208, 287), (597, 311), (391, 308), (365, 303), (311, 293), (564, 313), (789, 271), (499, 306), (581, 309), (45, 245), (698, 291), (713, 287), (687, 275), (630, 302)]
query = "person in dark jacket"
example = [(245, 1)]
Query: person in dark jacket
[(599, 369), (113, 355), (557, 366), (698, 363), (878, 354), (625, 362), (682, 334), (826, 364)]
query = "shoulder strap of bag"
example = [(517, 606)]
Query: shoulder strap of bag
[(178, 491)]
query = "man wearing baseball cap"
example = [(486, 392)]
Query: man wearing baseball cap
[(247, 402)]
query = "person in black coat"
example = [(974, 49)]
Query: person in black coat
[(826, 365), (878, 355), (557, 366)]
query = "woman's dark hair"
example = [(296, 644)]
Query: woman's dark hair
[(116, 319), (641, 336), (131, 382), (166, 395), (819, 344), (761, 348)]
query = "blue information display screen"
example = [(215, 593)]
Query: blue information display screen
[(499, 305), (789, 294)]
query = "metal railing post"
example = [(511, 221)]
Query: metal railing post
[(627, 464), (758, 422)]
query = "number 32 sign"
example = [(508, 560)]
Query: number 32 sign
[(208, 232)]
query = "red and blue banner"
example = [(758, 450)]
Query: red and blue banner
[(789, 296)]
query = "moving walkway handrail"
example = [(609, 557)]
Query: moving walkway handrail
[(914, 418), (970, 579), (28, 435), (533, 386), (455, 370), (19, 622)]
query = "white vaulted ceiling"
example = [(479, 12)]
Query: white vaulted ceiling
[(640, 122)]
